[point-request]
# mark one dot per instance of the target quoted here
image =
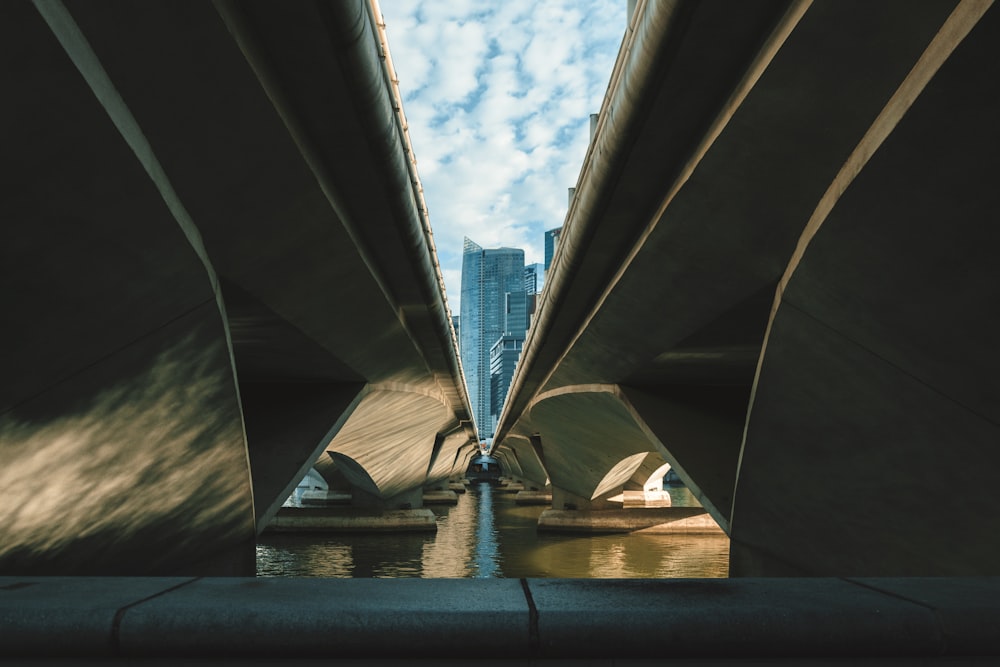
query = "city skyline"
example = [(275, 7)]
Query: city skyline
[(498, 100)]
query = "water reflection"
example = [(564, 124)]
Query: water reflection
[(487, 535), (448, 554), (487, 552)]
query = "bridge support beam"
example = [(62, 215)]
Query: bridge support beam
[(288, 426), (122, 448), (875, 406)]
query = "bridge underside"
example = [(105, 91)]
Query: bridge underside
[(792, 301), (218, 270)]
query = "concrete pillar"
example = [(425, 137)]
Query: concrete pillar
[(411, 499), (366, 512), (566, 500)]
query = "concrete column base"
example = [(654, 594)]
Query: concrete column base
[(533, 498), (510, 487), (642, 498), (567, 500), (350, 520), (457, 487), (659, 520), (440, 498), (410, 499)]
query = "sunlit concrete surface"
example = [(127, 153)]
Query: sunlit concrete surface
[(601, 622), (777, 274), (218, 273), (654, 520)]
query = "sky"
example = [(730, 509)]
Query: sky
[(498, 97)]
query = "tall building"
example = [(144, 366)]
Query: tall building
[(505, 352), (503, 358), (534, 277), (488, 275), (551, 241)]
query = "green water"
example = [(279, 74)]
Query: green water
[(487, 535)]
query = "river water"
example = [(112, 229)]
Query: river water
[(487, 535)]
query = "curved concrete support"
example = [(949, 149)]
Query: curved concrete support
[(591, 442), (654, 482), (289, 426), (451, 457), (390, 439), (522, 460), (619, 475), (508, 461), (699, 431), (875, 407)]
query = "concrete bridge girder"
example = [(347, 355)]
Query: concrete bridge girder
[(880, 363), (705, 264), (714, 235), (119, 404)]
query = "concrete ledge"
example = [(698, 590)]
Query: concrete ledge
[(730, 617), (663, 520), (350, 519), (723, 620)]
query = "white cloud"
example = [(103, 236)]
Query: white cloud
[(498, 98)]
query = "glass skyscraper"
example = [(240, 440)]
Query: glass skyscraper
[(551, 241), (488, 275), (534, 278)]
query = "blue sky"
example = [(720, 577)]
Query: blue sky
[(498, 97)]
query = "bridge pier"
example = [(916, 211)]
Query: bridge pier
[(535, 494), (351, 520), (352, 509), (611, 513), (409, 499)]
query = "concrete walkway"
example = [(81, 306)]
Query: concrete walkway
[(272, 621)]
